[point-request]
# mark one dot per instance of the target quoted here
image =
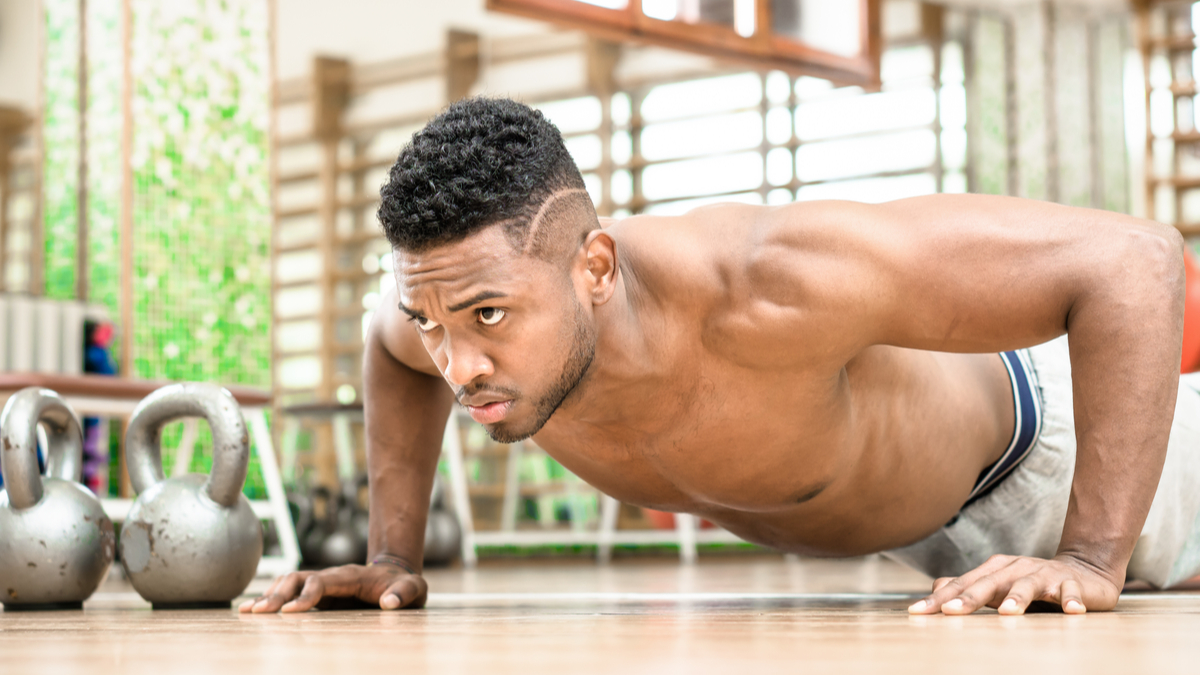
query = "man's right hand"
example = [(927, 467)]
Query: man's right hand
[(384, 586)]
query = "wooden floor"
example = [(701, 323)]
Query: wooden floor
[(721, 616)]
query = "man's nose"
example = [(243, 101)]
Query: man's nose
[(465, 363)]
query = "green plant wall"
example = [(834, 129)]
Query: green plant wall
[(201, 208)]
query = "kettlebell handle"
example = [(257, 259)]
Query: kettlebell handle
[(19, 441), (231, 443)]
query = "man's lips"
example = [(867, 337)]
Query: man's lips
[(489, 413)]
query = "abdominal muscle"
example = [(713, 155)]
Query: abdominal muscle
[(928, 424)]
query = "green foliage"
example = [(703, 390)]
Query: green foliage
[(201, 274)]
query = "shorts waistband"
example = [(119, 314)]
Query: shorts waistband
[(1028, 410)]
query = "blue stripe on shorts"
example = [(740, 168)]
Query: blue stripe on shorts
[(1028, 425)]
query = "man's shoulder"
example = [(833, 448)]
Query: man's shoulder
[(691, 251)]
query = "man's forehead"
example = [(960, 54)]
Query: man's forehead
[(460, 267)]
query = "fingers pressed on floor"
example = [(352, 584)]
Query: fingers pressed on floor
[(1022, 592), (1070, 596)]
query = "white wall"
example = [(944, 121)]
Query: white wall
[(375, 30), (19, 53)]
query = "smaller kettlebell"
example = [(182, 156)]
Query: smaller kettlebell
[(191, 541), (56, 544), (443, 535)]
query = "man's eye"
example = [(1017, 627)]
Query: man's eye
[(426, 324), (490, 316)]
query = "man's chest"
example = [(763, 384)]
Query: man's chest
[(712, 442)]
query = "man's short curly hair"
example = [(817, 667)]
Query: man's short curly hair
[(480, 162)]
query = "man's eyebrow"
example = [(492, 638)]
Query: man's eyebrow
[(410, 312), (477, 298)]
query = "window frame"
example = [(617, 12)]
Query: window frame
[(763, 50)]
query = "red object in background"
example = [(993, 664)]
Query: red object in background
[(1191, 314), (103, 336), (662, 520)]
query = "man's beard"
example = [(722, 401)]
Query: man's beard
[(583, 350)]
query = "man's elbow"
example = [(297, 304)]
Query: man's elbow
[(1159, 251)]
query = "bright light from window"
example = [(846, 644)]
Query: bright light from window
[(574, 114), (701, 97), (905, 63), (1162, 115), (622, 186), (953, 105), (862, 156), (622, 147), (954, 148), (779, 197), (585, 150), (743, 17), (621, 109), (778, 87), (703, 136), (779, 126), (952, 63), (685, 205), (592, 182), (663, 10), (706, 175), (779, 166), (872, 112), (872, 190), (607, 4)]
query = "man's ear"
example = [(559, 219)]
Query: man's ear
[(600, 266)]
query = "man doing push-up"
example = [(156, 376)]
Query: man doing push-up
[(826, 378)]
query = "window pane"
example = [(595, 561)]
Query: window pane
[(779, 196), (830, 26), (621, 109), (622, 147), (860, 156), (954, 148), (779, 166), (906, 63), (595, 190), (707, 175), (574, 114), (622, 186), (871, 112), (585, 150), (778, 87), (952, 63), (720, 12), (707, 135), (699, 97), (779, 126), (872, 190), (685, 205), (954, 106)]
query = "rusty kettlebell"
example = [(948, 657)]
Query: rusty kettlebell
[(191, 541), (56, 543)]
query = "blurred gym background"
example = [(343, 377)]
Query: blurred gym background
[(188, 188)]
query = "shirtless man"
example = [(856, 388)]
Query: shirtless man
[(822, 377)]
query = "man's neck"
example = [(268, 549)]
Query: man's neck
[(623, 357)]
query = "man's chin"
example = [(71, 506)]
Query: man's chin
[(506, 433)]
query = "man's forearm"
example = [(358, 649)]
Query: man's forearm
[(1125, 337), (405, 415)]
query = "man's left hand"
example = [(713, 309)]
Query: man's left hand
[(1010, 583)]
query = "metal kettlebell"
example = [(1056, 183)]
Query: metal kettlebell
[(56, 544), (443, 535), (191, 541)]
